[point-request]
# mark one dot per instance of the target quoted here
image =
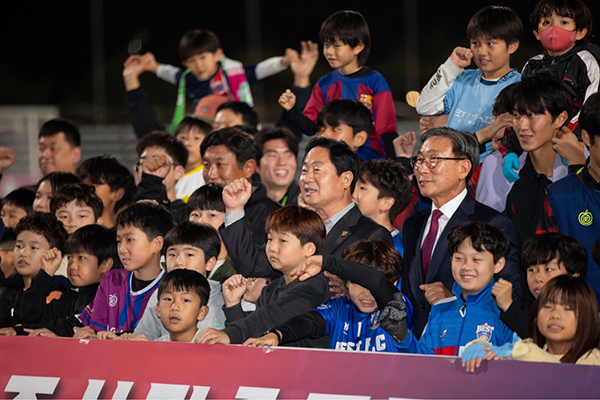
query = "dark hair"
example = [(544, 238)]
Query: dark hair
[(539, 93), (504, 102), (56, 126), (349, 27), (44, 224), (303, 223), (391, 180), (85, 195), (96, 240), (8, 239), (589, 116), (152, 219), (249, 116), (483, 237), (106, 169), (197, 42), (201, 236), (237, 142), (545, 247), (59, 179), (596, 251), (174, 148), (575, 9), (268, 134), (463, 144), (188, 280), (207, 197), (340, 154), (496, 22), (378, 254), (189, 123), (20, 198), (349, 112), (578, 295)]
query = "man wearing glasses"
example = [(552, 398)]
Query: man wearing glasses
[(442, 169)]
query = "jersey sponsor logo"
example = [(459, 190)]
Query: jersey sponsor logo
[(586, 218), (366, 100), (469, 118), (484, 332), (112, 300)]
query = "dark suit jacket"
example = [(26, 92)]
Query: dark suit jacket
[(251, 261), (440, 269)]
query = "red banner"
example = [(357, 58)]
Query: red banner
[(69, 368)]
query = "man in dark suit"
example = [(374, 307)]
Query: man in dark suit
[(442, 169), (329, 175)]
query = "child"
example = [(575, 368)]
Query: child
[(16, 205), (114, 184), (544, 256), (123, 293), (467, 96), (478, 253), (294, 234), (91, 252), (351, 323), (36, 234), (47, 188), (194, 247), (564, 328), (7, 246), (182, 298), (77, 205), (382, 192), (206, 206), (346, 45)]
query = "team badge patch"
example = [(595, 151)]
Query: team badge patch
[(112, 300), (484, 332), (366, 100), (375, 320), (585, 218)]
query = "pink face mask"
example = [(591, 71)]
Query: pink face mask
[(556, 38)]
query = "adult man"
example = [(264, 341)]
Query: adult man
[(59, 147), (442, 168), (229, 154)]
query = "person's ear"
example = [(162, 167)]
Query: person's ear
[(118, 194), (580, 34), (249, 168), (202, 313), (536, 34), (359, 139), (499, 266), (358, 48), (100, 221), (386, 203), (513, 47), (464, 169), (576, 275), (184, 63), (76, 155), (179, 172), (158, 309), (560, 119), (106, 265), (219, 53), (157, 244), (210, 264), (585, 137), (346, 178), (309, 249)]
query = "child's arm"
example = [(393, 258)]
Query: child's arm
[(384, 112), (233, 290), (269, 67), (293, 113), (431, 99), (511, 314), (95, 314), (308, 325)]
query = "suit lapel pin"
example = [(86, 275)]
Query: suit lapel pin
[(345, 233)]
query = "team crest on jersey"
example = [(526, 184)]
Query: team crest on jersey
[(366, 100), (375, 319), (112, 300), (484, 332)]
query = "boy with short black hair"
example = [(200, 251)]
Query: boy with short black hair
[(235, 113), (124, 293), (7, 246), (182, 303), (467, 95), (77, 205), (346, 45), (16, 205), (478, 254)]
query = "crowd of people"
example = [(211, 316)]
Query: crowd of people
[(477, 237)]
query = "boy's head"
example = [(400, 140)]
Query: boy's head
[(277, 150), (200, 52), (547, 255), (383, 188), (293, 234), (59, 146), (162, 144), (7, 246), (49, 186), (495, 33), (191, 131), (478, 253), (182, 302), (346, 28), (541, 107), (228, 154), (377, 254), (16, 205), (91, 252), (235, 113), (206, 205), (589, 121), (114, 182), (558, 24), (345, 120), (76, 205), (141, 229), (192, 246), (36, 234)]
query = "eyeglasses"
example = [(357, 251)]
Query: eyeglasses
[(431, 161)]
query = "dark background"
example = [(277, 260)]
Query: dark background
[(46, 47)]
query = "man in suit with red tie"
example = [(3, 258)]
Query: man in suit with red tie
[(442, 169)]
